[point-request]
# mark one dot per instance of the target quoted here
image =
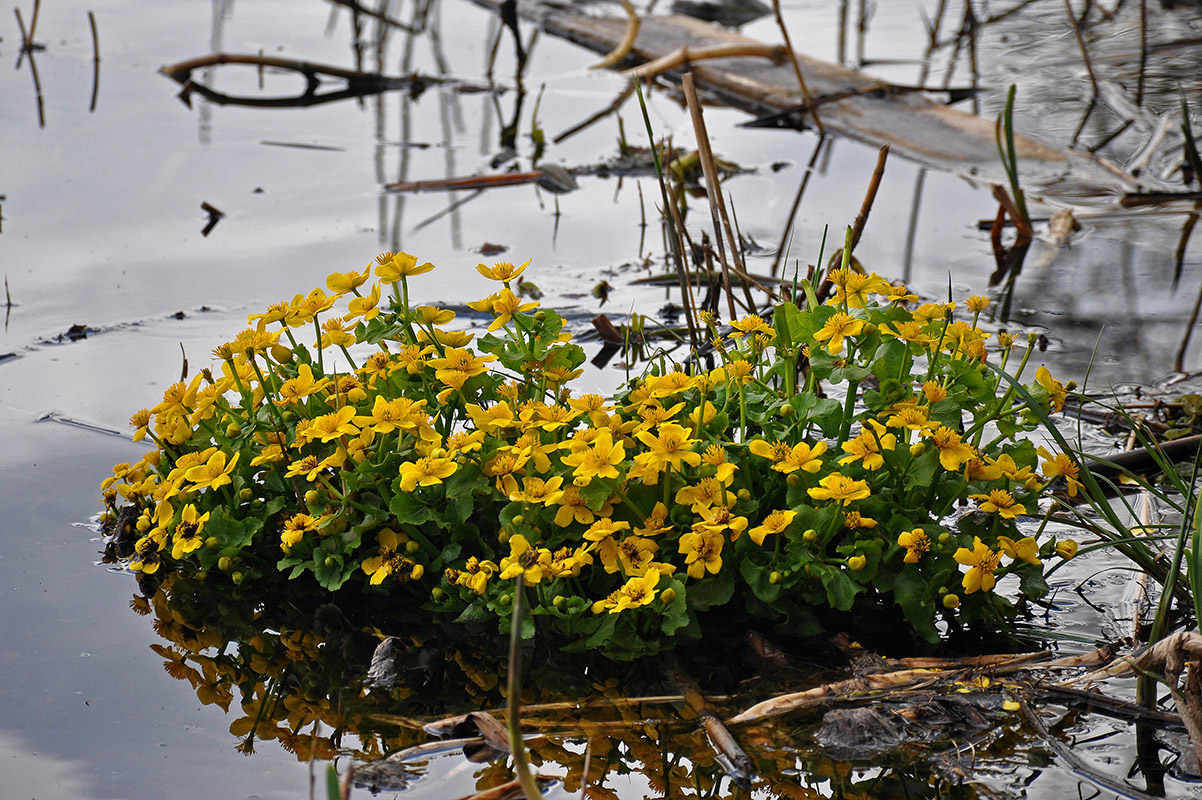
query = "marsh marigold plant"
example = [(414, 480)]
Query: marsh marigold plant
[(835, 458)]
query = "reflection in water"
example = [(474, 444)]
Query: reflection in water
[(290, 667)]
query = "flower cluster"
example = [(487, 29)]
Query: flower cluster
[(813, 468)]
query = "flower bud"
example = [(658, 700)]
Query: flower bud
[(774, 578), (246, 494), (1066, 548), (857, 563), (437, 594), (794, 479), (412, 548), (744, 495), (225, 563), (233, 430), (417, 572), (951, 601), (667, 596), (918, 448), (810, 535)]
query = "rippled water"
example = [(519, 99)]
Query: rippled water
[(101, 227)]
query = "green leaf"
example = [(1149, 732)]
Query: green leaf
[(841, 590), (676, 614), (410, 509), (712, 591), (757, 577), (1031, 581), (909, 592)]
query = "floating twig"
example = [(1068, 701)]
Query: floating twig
[(215, 216), (95, 62), (685, 55)]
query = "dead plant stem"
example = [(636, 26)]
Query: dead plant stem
[(805, 92), (714, 187)]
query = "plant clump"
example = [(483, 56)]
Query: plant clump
[(816, 470)]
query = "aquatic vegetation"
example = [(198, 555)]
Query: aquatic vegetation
[(872, 454)]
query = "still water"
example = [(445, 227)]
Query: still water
[(101, 227)]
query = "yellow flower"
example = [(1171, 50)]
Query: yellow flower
[(504, 305), (706, 493), (656, 523), (574, 508), (295, 528), (638, 591), (536, 490), (335, 334), (977, 303), (214, 473), (141, 421), (636, 554), (775, 522), (187, 536), (1000, 502), (390, 562), (399, 265), (1066, 548), (604, 528), (1061, 465), (1057, 394), (750, 324), (910, 417), (981, 562), (836, 329), (366, 306), (671, 449), (1024, 549), (933, 391), (703, 552), (502, 271), (426, 471), (899, 295), (296, 389), (852, 288), (343, 282), (146, 557), (526, 560), (841, 488), (908, 331), (598, 460), (720, 519), (459, 363), (304, 308), (389, 415), (331, 426), (309, 466), (790, 459), (867, 447), (953, 451), (853, 520), (916, 543)]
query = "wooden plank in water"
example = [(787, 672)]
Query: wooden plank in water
[(860, 107)]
